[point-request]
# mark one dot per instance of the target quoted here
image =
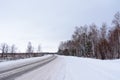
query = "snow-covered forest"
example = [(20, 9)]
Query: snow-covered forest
[(92, 41)]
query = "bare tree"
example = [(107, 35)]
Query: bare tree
[(30, 48), (4, 49), (114, 36), (13, 49), (116, 20)]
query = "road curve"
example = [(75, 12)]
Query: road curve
[(13, 73)]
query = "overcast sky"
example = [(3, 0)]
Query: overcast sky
[(48, 22)]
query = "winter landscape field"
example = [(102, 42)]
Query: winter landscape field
[(59, 39), (68, 68)]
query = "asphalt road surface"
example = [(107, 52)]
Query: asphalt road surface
[(12, 74)]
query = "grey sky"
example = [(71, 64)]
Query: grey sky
[(48, 22)]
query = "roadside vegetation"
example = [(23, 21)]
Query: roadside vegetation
[(94, 42)]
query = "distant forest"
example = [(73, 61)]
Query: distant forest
[(94, 42)]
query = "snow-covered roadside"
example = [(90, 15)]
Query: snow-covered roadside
[(17, 63), (73, 68), (92, 69), (1, 60)]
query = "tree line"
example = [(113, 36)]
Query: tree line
[(5, 48), (91, 41), (11, 53)]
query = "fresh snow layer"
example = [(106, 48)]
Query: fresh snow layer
[(73, 68), (7, 65)]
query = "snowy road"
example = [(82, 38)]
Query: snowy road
[(63, 68), (20, 67), (73, 68)]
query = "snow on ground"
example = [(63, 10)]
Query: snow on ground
[(73, 68), (17, 63)]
